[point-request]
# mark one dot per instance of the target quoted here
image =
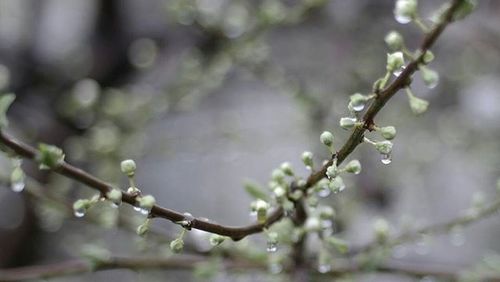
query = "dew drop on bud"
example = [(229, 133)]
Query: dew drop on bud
[(17, 186), (272, 247), (386, 159), (138, 209), (402, 19), (324, 268), (144, 211), (79, 213), (324, 192), (358, 107)]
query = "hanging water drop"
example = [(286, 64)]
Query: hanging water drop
[(402, 19), (386, 159), (137, 209), (399, 71), (17, 186), (144, 211), (79, 213), (272, 247), (358, 107), (324, 268), (324, 191)]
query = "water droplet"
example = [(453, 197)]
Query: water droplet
[(79, 213), (432, 84), (272, 247), (309, 168), (386, 159), (187, 223), (399, 71), (144, 211), (114, 205), (324, 268), (324, 192), (402, 19), (399, 252), (17, 186), (358, 107), (138, 209)]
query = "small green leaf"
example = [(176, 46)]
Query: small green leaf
[(340, 245), (254, 190), (5, 102)]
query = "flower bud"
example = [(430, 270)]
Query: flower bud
[(128, 167), (384, 147), (278, 175), (312, 224), (430, 77), (381, 229), (49, 156), (327, 139), (146, 202), (347, 122), (279, 194), (331, 171), (388, 132), (115, 196), (326, 212), (177, 245), (418, 106), (394, 40), (337, 185), (286, 167), (428, 57), (353, 166), (405, 11), (395, 61), (261, 207), (307, 158), (216, 239), (143, 228)]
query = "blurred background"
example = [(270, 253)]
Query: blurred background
[(208, 94)]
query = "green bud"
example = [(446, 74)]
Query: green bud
[(388, 132), (353, 166), (357, 101), (278, 175), (347, 122), (430, 77), (381, 229), (49, 157), (128, 167), (428, 57), (394, 40), (286, 167), (297, 194), (143, 228), (384, 147), (327, 139), (177, 245), (418, 106), (395, 61), (216, 239), (261, 207), (326, 212), (464, 9), (147, 202), (337, 185), (331, 171), (405, 11), (279, 194), (312, 224), (307, 159), (5, 102), (115, 196)]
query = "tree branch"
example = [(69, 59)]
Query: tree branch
[(237, 233)]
